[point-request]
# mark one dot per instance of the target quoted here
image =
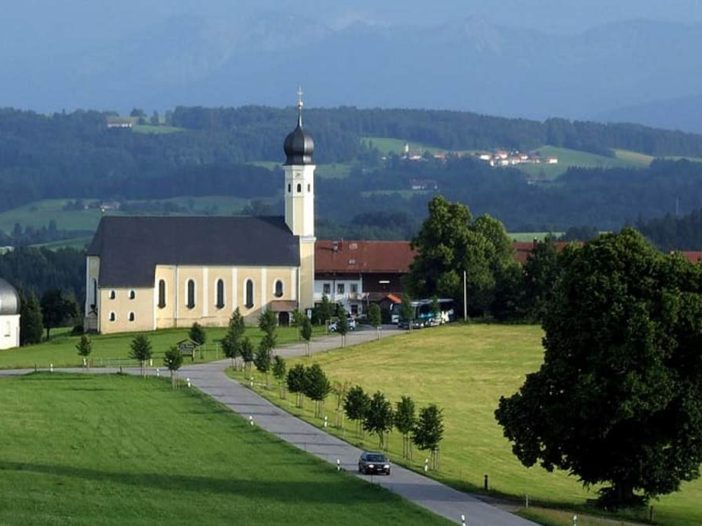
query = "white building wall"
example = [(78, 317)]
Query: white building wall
[(9, 331), (352, 294)]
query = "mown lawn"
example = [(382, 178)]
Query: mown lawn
[(115, 450), (465, 369), (113, 349)]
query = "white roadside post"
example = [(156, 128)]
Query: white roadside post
[(251, 420), (338, 464), (463, 520), (187, 380), (426, 465), (158, 373), (51, 367)]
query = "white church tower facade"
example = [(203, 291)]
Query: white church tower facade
[(299, 202)]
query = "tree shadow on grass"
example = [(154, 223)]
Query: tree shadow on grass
[(344, 490)]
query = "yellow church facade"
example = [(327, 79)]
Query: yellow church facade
[(145, 273)]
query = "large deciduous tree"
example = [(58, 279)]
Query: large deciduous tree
[(618, 399), (451, 242), (57, 308)]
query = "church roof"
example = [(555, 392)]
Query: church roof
[(130, 247)]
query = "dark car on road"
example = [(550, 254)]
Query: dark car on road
[(372, 463)]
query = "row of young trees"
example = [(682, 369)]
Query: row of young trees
[(372, 413)]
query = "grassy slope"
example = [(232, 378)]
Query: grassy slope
[(386, 145), (39, 213), (86, 450), (568, 158), (113, 350), (465, 369)]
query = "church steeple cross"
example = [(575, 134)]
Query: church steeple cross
[(300, 104)]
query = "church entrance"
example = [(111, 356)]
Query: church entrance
[(283, 319)]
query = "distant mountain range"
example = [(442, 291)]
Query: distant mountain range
[(638, 71)]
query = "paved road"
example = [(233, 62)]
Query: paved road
[(439, 498)]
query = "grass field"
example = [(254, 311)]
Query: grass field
[(155, 130), (465, 370), (386, 145), (39, 213), (568, 158), (531, 236), (115, 450), (113, 349)]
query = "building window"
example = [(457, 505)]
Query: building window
[(326, 289), (278, 289), (113, 294), (340, 288), (249, 294), (132, 294), (299, 188), (354, 309), (354, 288), (191, 294), (220, 294), (131, 316), (161, 293), (112, 316), (289, 188), (309, 187)]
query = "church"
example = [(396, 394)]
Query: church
[(146, 273)]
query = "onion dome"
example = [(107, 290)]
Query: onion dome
[(298, 145), (9, 299)]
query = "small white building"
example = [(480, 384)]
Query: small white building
[(9, 316)]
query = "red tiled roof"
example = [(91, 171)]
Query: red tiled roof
[(363, 256), (692, 256)]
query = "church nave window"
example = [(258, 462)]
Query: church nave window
[(289, 188), (132, 294), (249, 294), (191, 294), (161, 293), (220, 294), (112, 316), (131, 316), (299, 188), (278, 289), (113, 294)]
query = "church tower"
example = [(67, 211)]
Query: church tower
[(299, 202)]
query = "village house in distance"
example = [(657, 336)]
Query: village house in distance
[(146, 273)]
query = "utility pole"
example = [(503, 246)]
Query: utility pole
[(465, 296)]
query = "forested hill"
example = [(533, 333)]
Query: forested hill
[(234, 152), (451, 130)]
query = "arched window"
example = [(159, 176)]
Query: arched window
[(249, 298), (309, 187), (113, 294), (191, 294), (299, 188), (220, 294), (132, 294), (161, 293), (278, 289), (131, 316), (112, 316)]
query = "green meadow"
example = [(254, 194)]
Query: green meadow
[(465, 369), (115, 450), (112, 350)]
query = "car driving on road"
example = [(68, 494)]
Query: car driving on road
[(372, 463)]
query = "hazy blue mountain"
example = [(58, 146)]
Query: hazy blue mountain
[(683, 113), (571, 59)]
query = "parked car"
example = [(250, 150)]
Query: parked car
[(416, 324), (373, 463), (333, 324)]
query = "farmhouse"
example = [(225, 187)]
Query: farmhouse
[(357, 273), (9, 316), (146, 273)]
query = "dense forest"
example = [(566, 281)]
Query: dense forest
[(671, 232), (210, 152)]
